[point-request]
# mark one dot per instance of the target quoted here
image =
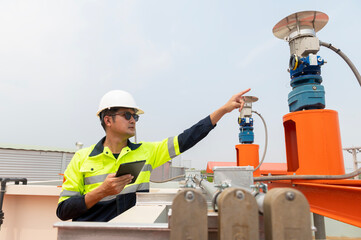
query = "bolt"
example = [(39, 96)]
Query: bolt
[(240, 195), (225, 185), (314, 87), (290, 196), (189, 196)]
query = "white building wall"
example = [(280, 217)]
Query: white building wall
[(35, 165)]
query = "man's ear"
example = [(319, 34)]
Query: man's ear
[(107, 120)]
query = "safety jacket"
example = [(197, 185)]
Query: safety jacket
[(90, 166)]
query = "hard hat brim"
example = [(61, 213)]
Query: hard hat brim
[(138, 110)]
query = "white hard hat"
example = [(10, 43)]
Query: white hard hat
[(118, 98)]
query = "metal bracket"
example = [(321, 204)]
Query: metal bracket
[(189, 216), (237, 215), (286, 215)]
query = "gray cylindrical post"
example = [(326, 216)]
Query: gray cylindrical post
[(319, 222), (354, 156)]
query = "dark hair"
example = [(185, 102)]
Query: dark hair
[(107, 112)]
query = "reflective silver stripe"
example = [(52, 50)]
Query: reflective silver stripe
[(95, 179), (135, 187), (131, 189), (171, 148), (143, 186), (101, 178), (67, 193), (147, 167)]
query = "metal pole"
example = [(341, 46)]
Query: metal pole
[(319, 222), (2, 192), (354, 156), (354, 151)]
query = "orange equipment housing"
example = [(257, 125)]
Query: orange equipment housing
[(248, 155), (313, 147), (313, 143), (273, 168)]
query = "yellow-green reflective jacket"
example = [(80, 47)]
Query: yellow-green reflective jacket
[(90, 166)]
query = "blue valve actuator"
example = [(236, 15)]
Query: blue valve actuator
[(307, 91), (246, 134)]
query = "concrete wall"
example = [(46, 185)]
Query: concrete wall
[(30, 212)]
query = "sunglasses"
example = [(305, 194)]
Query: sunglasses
[(127, 115)]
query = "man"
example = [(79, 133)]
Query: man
[(91, 191)]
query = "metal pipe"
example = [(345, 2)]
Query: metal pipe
[(210, 189), (308, 177), (207, 186), (354, 151), (354, 157), (215, 192), (2, 192), (260, 200), (319, 222)]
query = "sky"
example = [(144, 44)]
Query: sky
[(181, 60)]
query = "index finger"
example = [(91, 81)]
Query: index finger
[(245, 91), (239, 95)]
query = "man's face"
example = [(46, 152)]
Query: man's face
[(117, 124)]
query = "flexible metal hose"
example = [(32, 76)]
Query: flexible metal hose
[(169, 179), (309, 177), (265, 140), (344, 57)]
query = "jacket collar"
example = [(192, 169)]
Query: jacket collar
[(99, 147)]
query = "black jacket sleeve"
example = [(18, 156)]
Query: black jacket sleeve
[(194, 134), (71, 208)]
